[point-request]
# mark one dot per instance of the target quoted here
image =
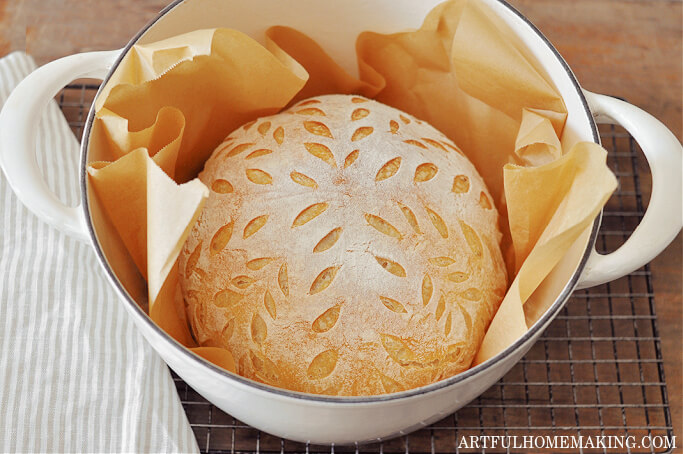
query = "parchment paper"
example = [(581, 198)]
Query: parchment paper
[(172, 102)]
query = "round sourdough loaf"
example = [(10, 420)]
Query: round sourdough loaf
[(346, 248)]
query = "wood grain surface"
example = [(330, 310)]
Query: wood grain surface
[(626, 48)]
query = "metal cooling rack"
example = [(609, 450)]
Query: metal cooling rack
[(597, 370)]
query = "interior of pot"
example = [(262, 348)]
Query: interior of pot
[(335, 26)]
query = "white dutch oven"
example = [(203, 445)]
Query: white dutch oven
[(306, 417)]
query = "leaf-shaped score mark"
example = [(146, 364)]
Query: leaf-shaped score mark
[(320, 151), (192, 260), (362, 133), (458, 277), (452, 147), (393, 127), (359, 114), (227, 298), (415, 143), (391, 266), (279, 135), (425, 172), (258, 176), (311, 111), (427, 289), (323, 280), (228, 330), (326, 320), (351, 158), (466, 317), (254, 226), (259, 263), (410, 217), (382, 226), (239, 149), (472, 294), (393, 305), (264, 367), (303, 180), (441, 261), (440, 307), (263, 128), (398, 350), (461, 184), (242, 282), (328, 240), (221, 186), (447, 325), (309, 213), (318, 128), (484, 201), (435, 144), (438, 222), (389, 169), (472, 239), (322, 365), (283, 279), (309, 102), (221, 238), (269, 303), (258, 153), (259, 330)]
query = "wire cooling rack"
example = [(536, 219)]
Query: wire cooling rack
[(596, 371)]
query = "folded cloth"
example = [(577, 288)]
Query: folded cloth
[(75, 374)]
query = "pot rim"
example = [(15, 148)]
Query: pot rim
[(142, 316)]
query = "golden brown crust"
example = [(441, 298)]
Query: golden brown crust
[(346, 248)]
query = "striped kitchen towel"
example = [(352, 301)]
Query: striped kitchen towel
[(75, 374)]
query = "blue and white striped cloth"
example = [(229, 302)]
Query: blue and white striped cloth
[(75, 375)]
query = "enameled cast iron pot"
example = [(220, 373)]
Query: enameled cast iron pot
[(306, 417)]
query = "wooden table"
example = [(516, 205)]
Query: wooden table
[(628, 48)]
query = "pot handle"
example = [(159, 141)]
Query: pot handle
[(18, 123), (663, 219)]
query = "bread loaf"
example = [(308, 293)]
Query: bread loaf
[(346, 248)]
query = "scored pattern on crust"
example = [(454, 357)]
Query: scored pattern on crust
[(360, 265)]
